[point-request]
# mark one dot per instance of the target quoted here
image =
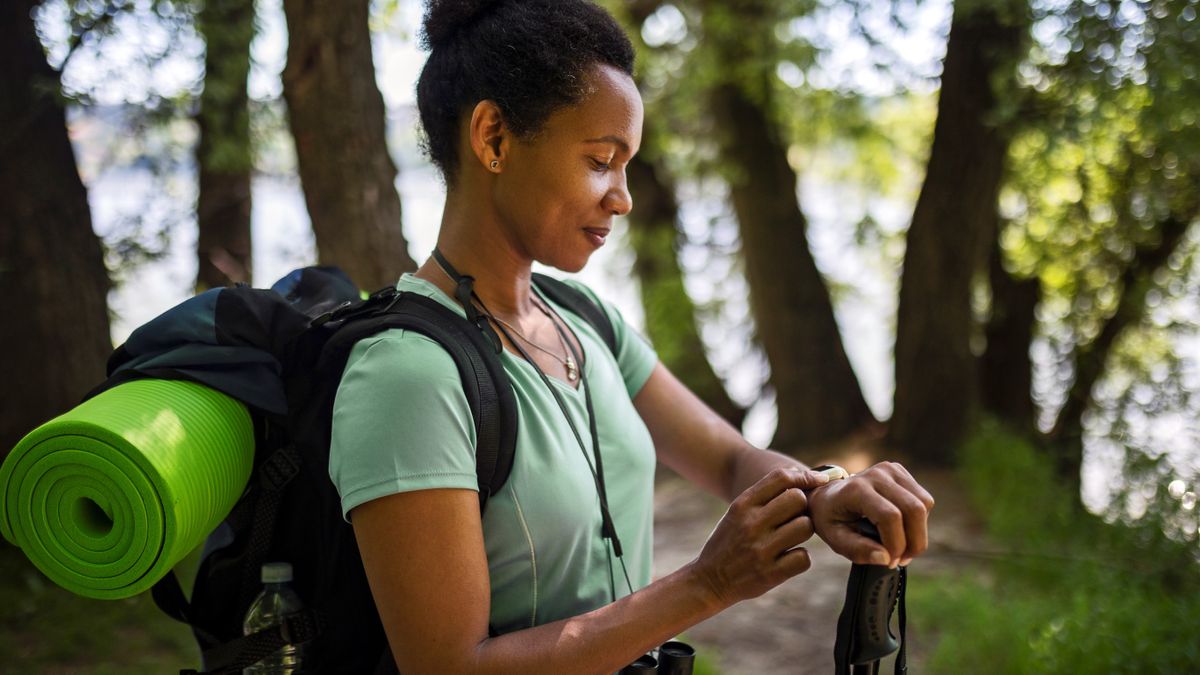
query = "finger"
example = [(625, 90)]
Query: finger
[(808, 479), (784, 507), (906, 480), (845, 540), (916, 519), (889, 520), (791, 534), (794, 562), (778, 480)]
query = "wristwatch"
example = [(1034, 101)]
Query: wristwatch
[(833, 471)]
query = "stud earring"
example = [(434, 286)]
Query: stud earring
[(495, 164)]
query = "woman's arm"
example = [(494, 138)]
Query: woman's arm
[(696, 442), (424, 556)]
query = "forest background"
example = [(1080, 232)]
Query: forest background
[(963, 235)]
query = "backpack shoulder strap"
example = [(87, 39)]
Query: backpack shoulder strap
[(580, 305), (491, 399)]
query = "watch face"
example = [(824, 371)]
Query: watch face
[(834, 471)]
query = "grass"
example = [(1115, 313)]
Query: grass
[(1072, 593), (46, 630), (1069, 593)]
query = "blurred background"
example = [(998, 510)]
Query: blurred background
[(959, 234)]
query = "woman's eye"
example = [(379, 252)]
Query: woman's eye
[(600, 165)]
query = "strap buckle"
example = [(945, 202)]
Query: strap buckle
[(332, 314)]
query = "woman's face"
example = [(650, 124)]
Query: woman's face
[(558, 191)]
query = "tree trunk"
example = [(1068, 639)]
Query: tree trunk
[(1067, 434), (56, 337), (817, 394), (1005, 369), (952, 224), (224, 156), (670, 313), (816, 391), (337, 118)]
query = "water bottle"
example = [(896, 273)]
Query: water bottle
[(276, 601)]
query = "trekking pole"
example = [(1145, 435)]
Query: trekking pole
[(864, 634)]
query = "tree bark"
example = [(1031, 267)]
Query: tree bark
[(817, 394), (224, 156), (816, 391), (337, 118), (1089, 360), (670, 313), (671, 321), (1005, 369), (56, 338), (954, 219)]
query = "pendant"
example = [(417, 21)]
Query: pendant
[(572, 369)]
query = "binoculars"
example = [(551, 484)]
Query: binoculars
[(671, 658)]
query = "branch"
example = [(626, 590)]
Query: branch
[(85, 28), (1135, 282)]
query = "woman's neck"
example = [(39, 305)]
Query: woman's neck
[(475, 247)]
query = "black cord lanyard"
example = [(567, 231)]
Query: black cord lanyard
[(465, 294)]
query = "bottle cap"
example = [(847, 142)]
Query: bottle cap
[(276, 573)]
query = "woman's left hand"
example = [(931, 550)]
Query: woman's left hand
[(888, 496)]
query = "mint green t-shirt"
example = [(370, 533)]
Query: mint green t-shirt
[(401, 422)]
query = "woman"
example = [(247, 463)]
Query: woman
[(531, 113)]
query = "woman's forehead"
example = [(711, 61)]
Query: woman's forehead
[(610, 112)]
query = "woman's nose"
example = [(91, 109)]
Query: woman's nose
[(617, 200)]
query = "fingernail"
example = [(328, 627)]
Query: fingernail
[(880, 558), (904, 562)]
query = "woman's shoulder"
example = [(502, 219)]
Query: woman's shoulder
[(399, 357), (400, 391)]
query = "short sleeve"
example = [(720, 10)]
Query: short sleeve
[(635, 357), (401, 421)]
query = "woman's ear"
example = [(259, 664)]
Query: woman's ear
[(488, 136)]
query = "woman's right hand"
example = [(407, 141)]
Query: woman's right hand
[(756, 545)]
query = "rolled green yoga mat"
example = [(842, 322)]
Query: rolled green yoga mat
[(108, 497)]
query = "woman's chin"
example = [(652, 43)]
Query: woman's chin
[(569, 264)]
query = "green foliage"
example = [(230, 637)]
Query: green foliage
[(156, 37), (1071, 592), (704, 666), (1110, 145), (1080, 201), (1103, 169), (665, 314), (228, 28), (45, 629)]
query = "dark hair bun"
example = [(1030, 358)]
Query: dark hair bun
[(529, 57), (444, 18)]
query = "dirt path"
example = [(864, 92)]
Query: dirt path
[(790, 629)]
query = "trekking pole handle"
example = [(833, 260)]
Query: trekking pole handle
[(877, 589)]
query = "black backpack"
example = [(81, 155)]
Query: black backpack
[(281, 352)]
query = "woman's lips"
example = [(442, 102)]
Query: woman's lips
[(596, 235)]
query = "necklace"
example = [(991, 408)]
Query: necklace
[(468, 298), (568, 363)]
